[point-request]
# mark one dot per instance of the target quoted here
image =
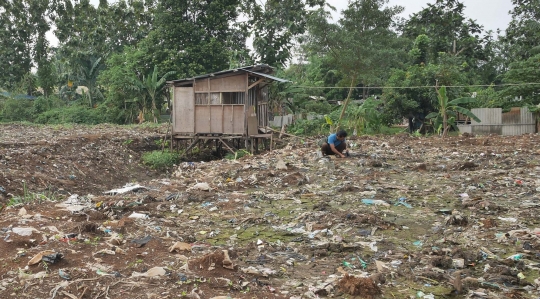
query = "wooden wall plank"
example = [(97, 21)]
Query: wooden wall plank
[(239, 124), (216, 122), (202, 113), (183, 110), (235, 83)]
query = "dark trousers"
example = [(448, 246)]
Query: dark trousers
[(326, 150)]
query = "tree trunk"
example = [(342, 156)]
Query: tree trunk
[(154, 110), (346, 103), (445, 124)]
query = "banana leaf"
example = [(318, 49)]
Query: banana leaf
[(460, 101), (467, 112), (432, 115), (443, 99)]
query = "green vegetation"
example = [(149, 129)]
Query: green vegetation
[(237, 155), (446, 117), (161, 159), (113, 59), (29, 197)]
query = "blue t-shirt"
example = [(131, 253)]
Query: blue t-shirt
[(332, 139)]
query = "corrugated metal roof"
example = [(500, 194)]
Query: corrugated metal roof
[(255, 69), (269, 77)]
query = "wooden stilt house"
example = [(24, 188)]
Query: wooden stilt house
[(228, 107)]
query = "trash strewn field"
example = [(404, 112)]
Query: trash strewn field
[(403, 217)]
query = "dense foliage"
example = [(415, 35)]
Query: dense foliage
[(73, 61)]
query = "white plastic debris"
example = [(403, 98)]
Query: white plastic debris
[(458, 263), (24, 231), (74, 203), (138, 216), (201, 187), (280, 165), (508, 219), (125, 189), (153, 272)]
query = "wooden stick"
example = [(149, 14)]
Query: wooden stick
[(286, 134), (282, 131)]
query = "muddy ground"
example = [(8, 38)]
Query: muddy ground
[(403, 217)]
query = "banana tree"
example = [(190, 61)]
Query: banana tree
[(88, 70), (155, 89), (150, 87), (448, 110)]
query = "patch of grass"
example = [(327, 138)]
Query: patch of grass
[(28, 197), (239, 154), (160, 160)]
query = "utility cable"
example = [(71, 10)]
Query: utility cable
[(416, 87)]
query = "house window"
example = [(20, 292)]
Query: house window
[(220, 98), (201, 99)]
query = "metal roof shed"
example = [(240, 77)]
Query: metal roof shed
[(223, 105)]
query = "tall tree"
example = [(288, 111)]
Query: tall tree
[(523, 32), (275, 24), (363, 46), (88, 35), (449, 31), (407, 97), (23, 25), (525, 75), (119, 78), (193, 37)]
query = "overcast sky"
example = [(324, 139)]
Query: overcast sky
[(491, 14)]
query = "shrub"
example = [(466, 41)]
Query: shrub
[(237, 155), (15, 110), (72, 114), (304, 127), (160, 160), (318, 107)]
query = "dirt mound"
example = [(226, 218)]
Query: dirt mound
[(79, 160)]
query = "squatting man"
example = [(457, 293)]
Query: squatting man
[(335, 144)]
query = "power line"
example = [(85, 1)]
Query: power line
[(417, 87)]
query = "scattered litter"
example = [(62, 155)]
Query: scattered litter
[(138, 215), (75, 204), (509, 219), (248, 227), (52, 258), (38, 257), (127, 188), (142, 241), (280, 165), (153, 272), (180, 246), (63, 274), (376, 202), (24, 231), (39, 275), (201, 187), (515, 257)]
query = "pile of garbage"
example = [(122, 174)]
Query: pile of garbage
[(402, 217)]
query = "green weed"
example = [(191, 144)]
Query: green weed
[(160, 160), (237, 155)]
